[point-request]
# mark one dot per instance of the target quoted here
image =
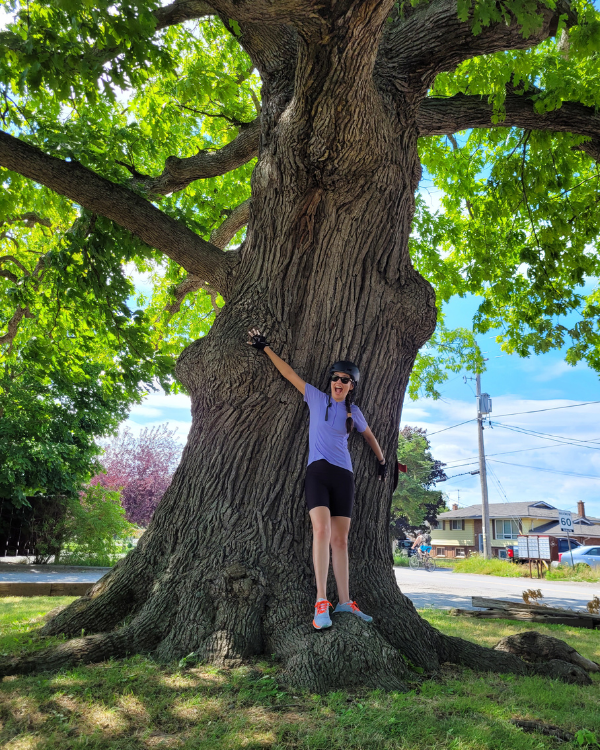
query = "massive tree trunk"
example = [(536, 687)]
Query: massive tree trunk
[(224, 570)]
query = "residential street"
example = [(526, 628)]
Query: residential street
[(49, 574), (443, 588)]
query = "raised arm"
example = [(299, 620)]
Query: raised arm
[(283, 367)]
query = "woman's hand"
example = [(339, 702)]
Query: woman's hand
[(382, 470), (257, 340)]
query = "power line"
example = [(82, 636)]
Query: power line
[(542, 435), (551, 408), (515, 413), (451, 428), (551, 471), (504, 453)]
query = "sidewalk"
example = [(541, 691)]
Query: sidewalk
[(15, 573)]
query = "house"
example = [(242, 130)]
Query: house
[(457, 532)]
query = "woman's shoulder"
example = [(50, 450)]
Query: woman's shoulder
[(313, 394)]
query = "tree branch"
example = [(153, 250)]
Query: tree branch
[(221, 236), (433, 39), (122, 206), (461, 112), (179, 173), (170, 15), (181, 11), (226, 231), (268, 11), (30, 219), (13, 325)]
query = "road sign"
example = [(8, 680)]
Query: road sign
[(565, 520)]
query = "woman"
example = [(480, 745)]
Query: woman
[(329, 485)]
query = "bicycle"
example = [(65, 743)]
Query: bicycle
[(422, 558)]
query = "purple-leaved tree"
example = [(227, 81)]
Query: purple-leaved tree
[(141, 467)]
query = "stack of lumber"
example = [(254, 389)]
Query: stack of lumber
[(507, 610)]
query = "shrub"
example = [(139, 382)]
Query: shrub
[(492, 567), (87, 530)]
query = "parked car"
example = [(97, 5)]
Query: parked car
[(563, 545), (587, 555)]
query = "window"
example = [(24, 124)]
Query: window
[(437, 524), (460, 552), (506, 529), (457, 524), (593, 551), (440, 552), (563, 545)]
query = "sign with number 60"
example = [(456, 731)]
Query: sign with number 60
[(565, 520)]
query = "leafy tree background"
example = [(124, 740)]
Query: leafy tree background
[(415, 500), (89, 529), (140, 469), (49, 423)]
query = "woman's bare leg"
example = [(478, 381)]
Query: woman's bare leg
[(321, 523), (340, 527)]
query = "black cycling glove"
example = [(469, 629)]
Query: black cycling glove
[(382, 470), (259, 342)]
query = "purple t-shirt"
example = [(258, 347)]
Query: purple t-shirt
[(329, 440)]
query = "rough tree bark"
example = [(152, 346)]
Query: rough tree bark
[(224, 569)]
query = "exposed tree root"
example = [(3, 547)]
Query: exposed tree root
[(350, 654), (91, 649), (535, 647), (480, 658), (548, 729)]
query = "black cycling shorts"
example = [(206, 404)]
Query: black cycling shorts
[(330, 486)]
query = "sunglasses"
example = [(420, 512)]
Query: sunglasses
[(345, 381)]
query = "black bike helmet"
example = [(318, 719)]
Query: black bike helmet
[(345, 366)]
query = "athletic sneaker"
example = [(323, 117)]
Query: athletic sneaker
[(322, 619), (352, 607)]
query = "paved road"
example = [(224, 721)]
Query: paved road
[(10, 572), (443, 588)]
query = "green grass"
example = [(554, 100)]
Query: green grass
[(136, 704), (580, 572), (492, 567), (402, 562)]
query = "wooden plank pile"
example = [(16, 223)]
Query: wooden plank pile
[(507, 610), (44, 589)]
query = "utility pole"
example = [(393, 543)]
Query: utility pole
[(484, 406)]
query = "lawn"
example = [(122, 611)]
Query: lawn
[(135, 703)]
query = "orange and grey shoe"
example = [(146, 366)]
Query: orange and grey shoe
[(352, 607), (322, 619)]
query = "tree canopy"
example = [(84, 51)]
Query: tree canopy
[(165, 103), (415, 500)]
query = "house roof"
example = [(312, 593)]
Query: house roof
[(504, 510), (579, 529), (510, 510)]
